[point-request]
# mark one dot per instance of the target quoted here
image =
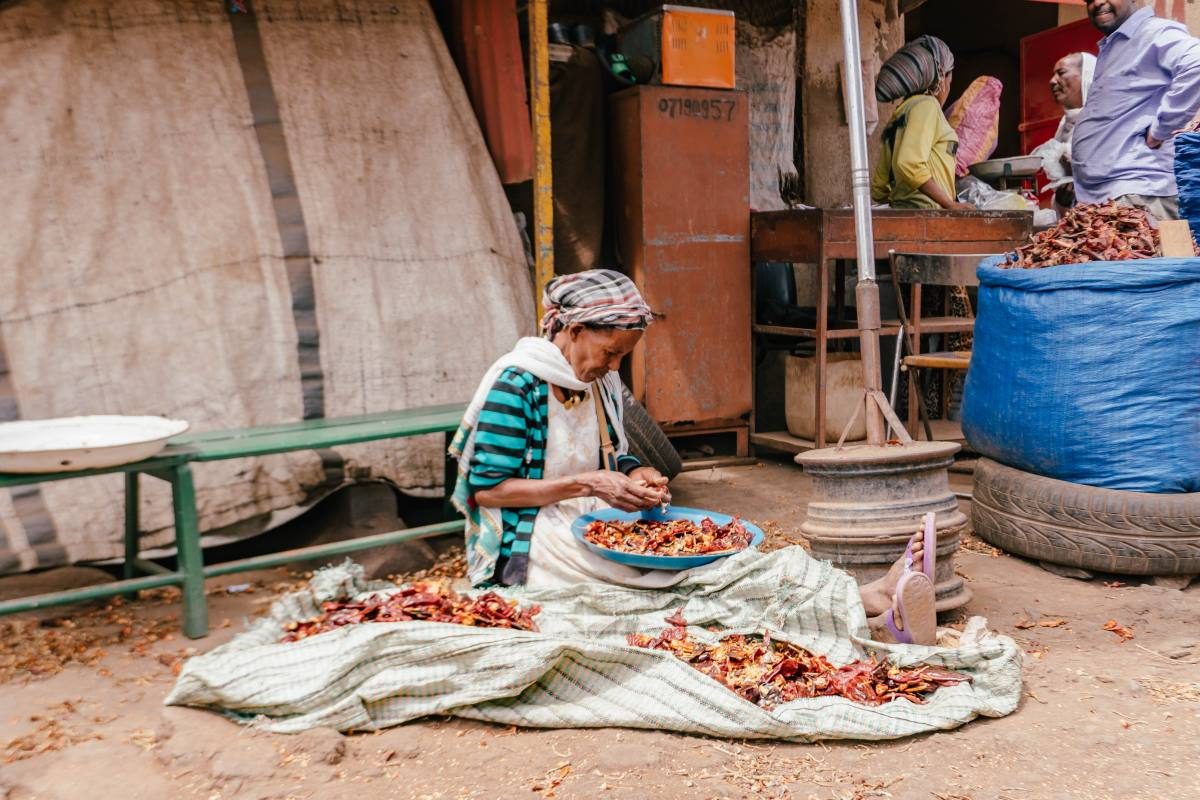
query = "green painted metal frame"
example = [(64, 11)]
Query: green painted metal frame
[(173, 465)]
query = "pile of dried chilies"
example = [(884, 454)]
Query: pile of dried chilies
[(430, 602), (1095, 232), (768, 672), (677, 537)]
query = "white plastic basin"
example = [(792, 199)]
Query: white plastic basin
[(67, 444)]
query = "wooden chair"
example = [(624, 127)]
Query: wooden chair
[(923, 269)]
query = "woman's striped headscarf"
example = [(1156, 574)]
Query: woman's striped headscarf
[(914, 69), (599, 297)]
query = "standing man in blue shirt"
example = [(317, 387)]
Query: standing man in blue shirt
[(1147, 87)]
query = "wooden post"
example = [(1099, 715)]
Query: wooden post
[(543, 175)]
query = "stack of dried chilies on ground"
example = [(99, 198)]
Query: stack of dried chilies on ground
[(1097, 232), (430, 602), (768, 672)]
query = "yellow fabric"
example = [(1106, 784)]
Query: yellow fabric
[(923, 148)]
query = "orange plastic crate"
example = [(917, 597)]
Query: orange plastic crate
[(698, 47)]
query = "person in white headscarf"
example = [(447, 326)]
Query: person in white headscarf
[(1070, 83)]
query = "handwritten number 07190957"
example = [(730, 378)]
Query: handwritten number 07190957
[(716, 110)]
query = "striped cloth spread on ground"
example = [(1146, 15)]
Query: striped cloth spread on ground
[(510, 437), (579, 671)]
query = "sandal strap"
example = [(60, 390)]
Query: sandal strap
[(901, 635)]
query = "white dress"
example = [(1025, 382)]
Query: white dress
[(556, 558)]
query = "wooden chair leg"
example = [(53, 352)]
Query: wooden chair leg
[(916, 377), (916, 407)]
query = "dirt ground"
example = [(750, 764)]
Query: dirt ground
[(1101, 717)]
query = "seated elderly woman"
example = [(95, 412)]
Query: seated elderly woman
[(542, 443)]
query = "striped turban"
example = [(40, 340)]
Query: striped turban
[(599, 297), (914, 69)]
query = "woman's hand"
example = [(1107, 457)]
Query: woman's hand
[(654, 479), (621, 491), (938, 195)]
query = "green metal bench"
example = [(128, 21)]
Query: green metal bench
[(174, 465)]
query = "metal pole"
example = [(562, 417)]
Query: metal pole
[(867, 291), (543, 174)]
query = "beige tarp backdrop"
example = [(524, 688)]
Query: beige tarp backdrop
[(142, 264)]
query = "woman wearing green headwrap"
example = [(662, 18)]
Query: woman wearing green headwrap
[(916, 165)]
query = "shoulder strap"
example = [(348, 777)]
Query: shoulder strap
[(608, 455)]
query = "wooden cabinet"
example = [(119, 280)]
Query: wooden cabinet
[(681, 174)]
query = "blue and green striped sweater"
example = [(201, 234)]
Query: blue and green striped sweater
[(510, 442)]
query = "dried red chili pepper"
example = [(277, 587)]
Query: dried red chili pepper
[(677, 537), (429, 602), (1096, 232), (769, 672)]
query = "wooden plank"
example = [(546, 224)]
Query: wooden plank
[(944, 430), (852, 333), (895, 226), (1176, 237), (785, 235), (955, 360), (961, 229), (719, 461), (847, 249), (785, 330), (947, 325), (782, 440), (795, 235)]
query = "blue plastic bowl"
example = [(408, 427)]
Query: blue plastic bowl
[(659, 562)]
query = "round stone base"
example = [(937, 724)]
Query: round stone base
[(869, 500)]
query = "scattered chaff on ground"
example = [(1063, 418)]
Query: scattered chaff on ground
[(776, 538), (969, 541), (1045, 622), (785, 774), (1164, 691), (49, 733), (33, 649), (547, 785), (450, 564)]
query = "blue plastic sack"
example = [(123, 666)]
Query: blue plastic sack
[(1090, 373), (1187, 176)]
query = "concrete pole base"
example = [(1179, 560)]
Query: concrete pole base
[(870, 499)]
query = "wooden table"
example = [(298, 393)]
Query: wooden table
[(822, 236)]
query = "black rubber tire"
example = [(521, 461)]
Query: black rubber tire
[(646, 440), (1129, 533)]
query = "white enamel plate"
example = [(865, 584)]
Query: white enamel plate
[(68, 444)]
